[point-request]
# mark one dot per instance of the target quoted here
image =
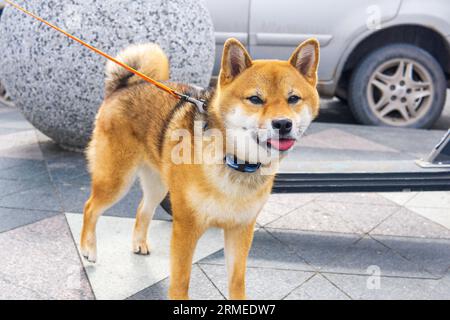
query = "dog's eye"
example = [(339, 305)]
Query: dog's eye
[(255, 100), (294, 99)]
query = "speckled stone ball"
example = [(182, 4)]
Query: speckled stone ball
[(58, 84)]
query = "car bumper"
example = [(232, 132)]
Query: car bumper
[(327, 89)]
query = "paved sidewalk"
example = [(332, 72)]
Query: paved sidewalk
[(348, 148), (307, 246)]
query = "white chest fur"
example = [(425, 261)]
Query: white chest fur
[(230, 203), (219, 212)]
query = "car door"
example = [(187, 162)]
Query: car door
[(277, 27), (230, 19)]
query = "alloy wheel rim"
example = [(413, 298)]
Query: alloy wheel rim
[(400, 92)]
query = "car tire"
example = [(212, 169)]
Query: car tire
[(377, 81)]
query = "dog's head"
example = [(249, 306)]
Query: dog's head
[(266, 105)]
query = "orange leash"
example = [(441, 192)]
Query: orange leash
[(200, 104)]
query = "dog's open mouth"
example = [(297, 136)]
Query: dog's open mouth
[(282, 144)]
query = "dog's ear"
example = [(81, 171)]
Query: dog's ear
[(306, 60), (235, 59)]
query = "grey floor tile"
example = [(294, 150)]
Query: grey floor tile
[(438, 199), (14, 119), (73, 198), (363, 255), (343, 156), (74, 184), (12, 124), (13, 218), (66, 169), (363, 217), (394, 138), (82, 180), (399, 198), (43, 197), (356, 197), (201, 288), (313, 217), (267, 252), (317, 288), (262, 283), (6, 163), (12, 291), (8, 187), (51, 150), (25, 170), (11, 115), (339, 139), (22, 145), (432, 255), (119, 273), (439, 215), (7, 131), (319, 249), (267, 216), (44, 260), (407, 223), (318, 165), (293, 200), (5, 109), (279, 205), (347, 253), (387, 288), (272, 211)]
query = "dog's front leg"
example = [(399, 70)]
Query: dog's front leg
[(238, 241), (185, 235)]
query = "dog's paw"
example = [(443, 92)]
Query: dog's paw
[(141, 248), (89, 253)]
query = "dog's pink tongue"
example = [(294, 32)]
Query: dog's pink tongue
[(282, 144)]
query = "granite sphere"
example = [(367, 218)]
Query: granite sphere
[(58, 84)]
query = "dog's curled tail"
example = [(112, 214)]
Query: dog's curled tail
[(147, 58)]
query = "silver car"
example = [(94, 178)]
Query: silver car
[(390, 59)]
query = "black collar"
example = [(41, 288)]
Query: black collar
[(230, 160), (233, 162)]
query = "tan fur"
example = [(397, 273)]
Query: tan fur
[(132, 138), (141, 57)]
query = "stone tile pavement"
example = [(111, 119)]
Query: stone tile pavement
[(306, 246)]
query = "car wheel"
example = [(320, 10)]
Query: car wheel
[(398, 85), (5, 100)]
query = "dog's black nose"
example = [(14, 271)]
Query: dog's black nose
[(283, 125)]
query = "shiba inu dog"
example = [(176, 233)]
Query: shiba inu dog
[(260, 109)]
